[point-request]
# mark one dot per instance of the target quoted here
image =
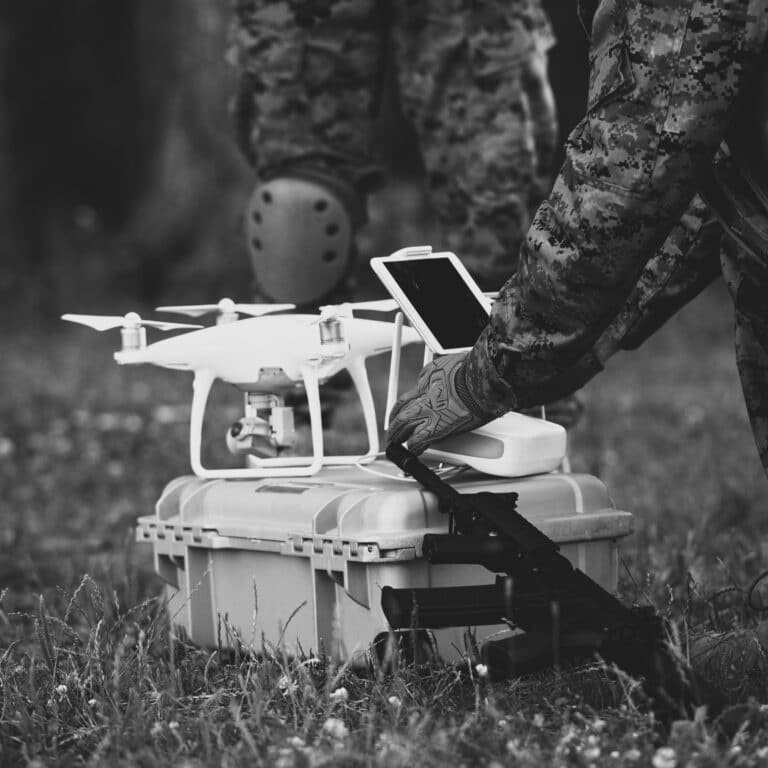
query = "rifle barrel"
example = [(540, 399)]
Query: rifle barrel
[(410, 464)]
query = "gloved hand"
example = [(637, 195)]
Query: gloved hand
[(439, 405)]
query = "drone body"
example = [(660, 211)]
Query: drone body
[(267, 354), (266, 358)]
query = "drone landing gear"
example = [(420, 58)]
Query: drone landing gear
[(258, 435), (279, 466)]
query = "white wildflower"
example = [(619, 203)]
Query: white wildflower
[(633, 755), (598, 724), (156, 729), (7, 447), (296, 742), (173, 725), (570, 735), (285, 685), (285, 758), (340, 694), (61, 690), (92, 703), (335, 728), (502, 723), (482, 670), (170, 414), (592, 752), (665, 757), (615, 754), (538, 720), (394, 701)]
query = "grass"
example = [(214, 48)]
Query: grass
[(89, 674)]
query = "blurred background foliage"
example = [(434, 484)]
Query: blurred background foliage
[(123, 185), (123, 189), (115, 140)]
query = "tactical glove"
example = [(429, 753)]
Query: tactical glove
[(439, 405)]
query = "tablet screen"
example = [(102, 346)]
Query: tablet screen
[(442, 298)]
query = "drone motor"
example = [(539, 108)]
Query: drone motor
[(133, 334), (332, 341)]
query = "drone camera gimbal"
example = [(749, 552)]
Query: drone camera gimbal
[(266, 430)]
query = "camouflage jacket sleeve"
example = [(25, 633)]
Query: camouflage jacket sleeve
[(664, 77)]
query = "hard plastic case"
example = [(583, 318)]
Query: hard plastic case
[(301, 561)]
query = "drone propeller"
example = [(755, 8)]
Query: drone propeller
[(131, 320), (227, 307), (331, 311)]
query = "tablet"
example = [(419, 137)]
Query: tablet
[(437, 294)]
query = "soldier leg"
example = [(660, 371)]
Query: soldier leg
[(303, 118), (748, 284), (472, 82), (737, 661), (461, 67)]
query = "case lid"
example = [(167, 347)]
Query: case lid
[(346, 505)]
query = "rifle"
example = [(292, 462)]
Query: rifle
[(564, 613)]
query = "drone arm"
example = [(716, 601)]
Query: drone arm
[(360, 379), (394, 368), (201, 387), (312, 388)]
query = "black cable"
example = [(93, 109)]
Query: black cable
[(751, 590)]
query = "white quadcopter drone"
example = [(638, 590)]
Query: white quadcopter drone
[(271, 355), (266, 358)]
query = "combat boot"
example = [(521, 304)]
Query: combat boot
[(733, 662)]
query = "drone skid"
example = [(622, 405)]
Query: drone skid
[(265, 358), (286, 466)]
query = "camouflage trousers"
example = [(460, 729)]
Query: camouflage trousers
[(472, 81), (695, 253), (750, 297)]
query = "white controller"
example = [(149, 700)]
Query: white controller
[(513, 445)]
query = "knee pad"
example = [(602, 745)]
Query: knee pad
[(300, 237)]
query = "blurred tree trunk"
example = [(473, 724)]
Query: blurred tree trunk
[(185, 232), (120, 173), (10, 262)]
